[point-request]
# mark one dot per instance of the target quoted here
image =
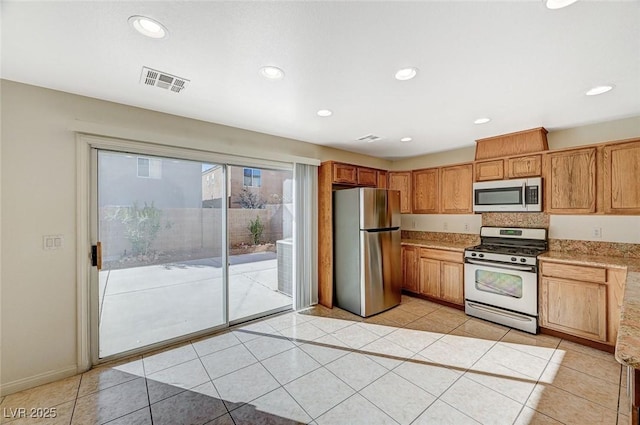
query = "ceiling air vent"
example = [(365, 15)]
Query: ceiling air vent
[(369, 138), (151, 77)]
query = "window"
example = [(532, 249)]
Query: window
[(252, 177), (150, 168)]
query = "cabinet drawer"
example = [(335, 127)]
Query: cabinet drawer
[(439, 254), (568, 271)]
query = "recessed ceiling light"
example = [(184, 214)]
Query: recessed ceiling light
[(149, 27), (272, 73), (482, 120), (406, 73), (598, 90), (406, 139), (324, 113), (559, 4)]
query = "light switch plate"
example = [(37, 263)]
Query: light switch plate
[(52, 242)]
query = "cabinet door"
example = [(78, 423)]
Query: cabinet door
[(401, 180), (621, 175), (570, 181), (367, 177), (524, 166), (456, 187), (410, 268), (425, 191), (489, 170), (429, 272), (577, 308), (452, 282), (382, 179), (345, 174)]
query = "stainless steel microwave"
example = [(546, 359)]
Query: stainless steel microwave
[(517, 195)]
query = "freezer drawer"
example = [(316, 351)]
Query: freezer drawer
[(377, 284)]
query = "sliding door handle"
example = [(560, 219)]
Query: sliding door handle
[(96, 255)]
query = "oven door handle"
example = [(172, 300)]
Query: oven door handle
[(502, 266)]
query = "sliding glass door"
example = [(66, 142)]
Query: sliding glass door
[(260, 242), (186, 247), (161, 228)]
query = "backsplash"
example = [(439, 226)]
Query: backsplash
[(538, 220), (463, 238)]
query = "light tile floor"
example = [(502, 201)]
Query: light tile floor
[(420, 363)]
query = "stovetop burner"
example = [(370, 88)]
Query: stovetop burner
[(509, 245), (501, 249)]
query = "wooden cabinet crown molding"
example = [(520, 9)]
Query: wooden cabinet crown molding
[(521, 142)]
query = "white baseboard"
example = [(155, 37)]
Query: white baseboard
[(34, 381)]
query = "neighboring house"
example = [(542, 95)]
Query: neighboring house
[(126, 178), (268, 185)]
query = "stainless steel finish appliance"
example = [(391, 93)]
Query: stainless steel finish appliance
[(501, 276), (517, 195), (367, 264)]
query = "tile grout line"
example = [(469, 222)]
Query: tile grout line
[(75, 401)]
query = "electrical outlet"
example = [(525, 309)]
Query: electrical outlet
[(445, 226), (466, 227), (597, 232)]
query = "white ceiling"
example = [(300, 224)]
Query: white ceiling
[(517, 62)]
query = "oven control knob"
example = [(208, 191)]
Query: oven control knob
[(514, 259), (473, 254), (480, 255), (523, 260)]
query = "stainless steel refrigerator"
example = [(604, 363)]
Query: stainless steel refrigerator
[(366, 250)]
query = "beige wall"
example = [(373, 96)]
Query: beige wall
[(38, 185)]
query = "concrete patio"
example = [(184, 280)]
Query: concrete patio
[(144, 305)]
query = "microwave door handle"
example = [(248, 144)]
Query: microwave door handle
[(524, 195)]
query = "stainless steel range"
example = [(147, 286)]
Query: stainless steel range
[(501, 276)]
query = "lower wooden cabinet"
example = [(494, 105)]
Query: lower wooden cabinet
[(581, 301), (410, 256), (436, 273), (575, 307)]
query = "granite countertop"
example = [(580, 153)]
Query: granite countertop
[(628, 343), (631, 264), (448, 246)]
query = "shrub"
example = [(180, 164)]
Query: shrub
[(250, 200), (256, 228), (141, 225)]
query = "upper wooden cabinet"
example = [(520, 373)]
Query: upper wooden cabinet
[(382, 179), (524, 166), (344, 173), (456, 188), (348, 174), (621, 163), (570, 181), (367, 177), (489, 170), (401, 180), (425, 191)]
